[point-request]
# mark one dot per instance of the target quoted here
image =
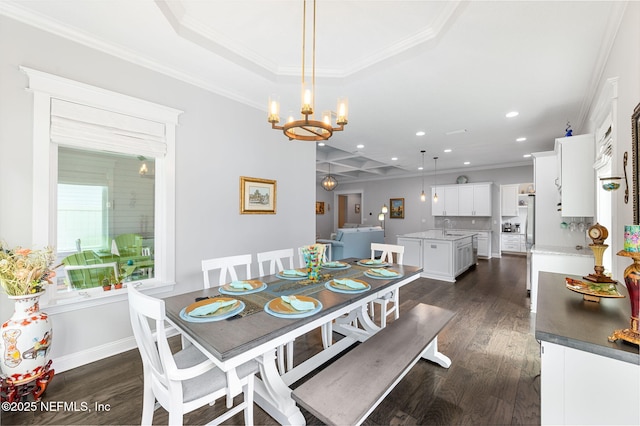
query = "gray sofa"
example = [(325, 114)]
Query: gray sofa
[(354, 242)]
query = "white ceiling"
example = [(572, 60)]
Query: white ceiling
[(436, 66)]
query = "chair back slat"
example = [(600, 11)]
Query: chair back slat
[(227, 266), (388, 250), (275, 259)]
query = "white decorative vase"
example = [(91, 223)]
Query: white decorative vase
[(25, 340)]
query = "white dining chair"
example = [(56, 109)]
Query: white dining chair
[(186, 380), (387, 252), (227, 266), (277, 260)]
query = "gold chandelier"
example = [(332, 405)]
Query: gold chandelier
[(307, 128)]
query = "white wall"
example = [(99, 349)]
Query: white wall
[(624, 63), (217, 141)]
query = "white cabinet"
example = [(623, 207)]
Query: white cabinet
[(462, 200), (464, 255), (509, 200), (474, 199), (438, 260), (567, 375), (447, 204), (484, 244), (577, 176), (513, 242), (412, 251)]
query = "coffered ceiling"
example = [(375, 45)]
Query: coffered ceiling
[(452, 69)]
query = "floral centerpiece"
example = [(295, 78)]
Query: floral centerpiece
[(24, 271)]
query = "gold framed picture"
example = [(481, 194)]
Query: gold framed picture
[(397, 208), (319, 207), (257, 196)]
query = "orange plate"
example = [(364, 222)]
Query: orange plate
[(254, 284), (220, 311), (281, 307), (346, 287)]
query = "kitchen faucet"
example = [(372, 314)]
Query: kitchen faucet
[(444, 226)]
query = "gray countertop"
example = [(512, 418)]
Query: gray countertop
[(564, 318)]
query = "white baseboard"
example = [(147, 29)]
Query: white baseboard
[(87, 356)]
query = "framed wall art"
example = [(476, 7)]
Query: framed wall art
[(397, 208), (257, 196), (319, 207)]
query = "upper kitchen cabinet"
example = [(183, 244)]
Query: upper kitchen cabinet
[(509, 200), (576, 175), (473, 199), (447, 204)]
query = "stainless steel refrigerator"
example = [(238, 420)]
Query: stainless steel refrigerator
[(530, 226)]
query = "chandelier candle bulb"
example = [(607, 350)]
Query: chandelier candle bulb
[(326, 117), (274, 111), (343, 107), (307, 102)]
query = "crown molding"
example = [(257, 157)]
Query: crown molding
[(40, 22)]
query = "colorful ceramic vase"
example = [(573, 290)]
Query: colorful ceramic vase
[(313, 256), (632, 238), (25, 339)]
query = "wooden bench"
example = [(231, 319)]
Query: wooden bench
[(347, 391)]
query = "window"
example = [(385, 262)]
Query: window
[(82, 217), (116, 154)]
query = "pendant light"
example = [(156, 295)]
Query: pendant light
[(435, 180), (329, 183), (423, 196)]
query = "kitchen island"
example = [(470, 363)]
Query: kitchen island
[(585, 379), (443, 255)]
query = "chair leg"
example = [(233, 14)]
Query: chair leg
[(248, 398), (290, 355), (327, 334), (383, 313), (280, 359), (148, 402), (396, 304)]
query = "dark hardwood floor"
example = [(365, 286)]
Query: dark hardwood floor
[(493, 380)]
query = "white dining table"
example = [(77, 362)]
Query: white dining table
[(255, 334)]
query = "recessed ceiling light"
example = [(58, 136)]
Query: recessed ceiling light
[(420, 133), (466, 163), (527, 155), (455, 132), (447, 150), (512, 114), (420, 168), (321, 143), (360, 146), (521, 139), (394, 158)]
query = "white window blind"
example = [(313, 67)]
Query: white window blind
[(81, 126)]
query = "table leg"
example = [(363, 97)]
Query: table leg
[(432, 354), (273, 395)]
